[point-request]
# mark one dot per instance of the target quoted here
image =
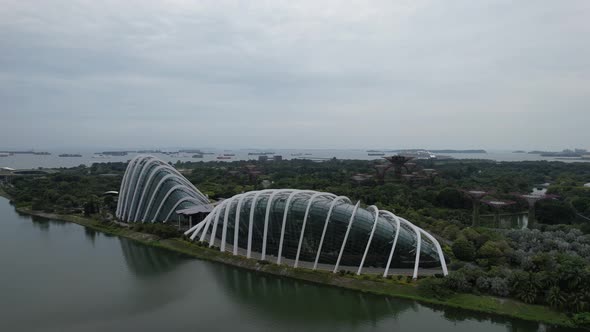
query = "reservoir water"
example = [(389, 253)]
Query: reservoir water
[(58, 276)]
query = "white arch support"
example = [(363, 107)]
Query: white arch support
[(441, 255), (397, 230), (195, 230), (225, 219), (122, 190), (126, 178), (376, 210), (214, 230), (237, 222), (418, 245), (208, 223), (132, 214), (149, 161), (311, 200), (317, 257), (133, 184), (285, 215), (346, 235), (268, 208), (173, 189), (155, 193), (251, 220), (147, 185)]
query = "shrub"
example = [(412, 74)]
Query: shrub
[(450, 232), (457, 281), (499, 286), (434, 287), (582, 319), (464, 249)]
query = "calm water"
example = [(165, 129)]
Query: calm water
[(26, 161), (59, 276)]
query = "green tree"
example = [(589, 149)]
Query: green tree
[(463, 249)]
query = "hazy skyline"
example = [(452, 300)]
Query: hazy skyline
[(285, 74)]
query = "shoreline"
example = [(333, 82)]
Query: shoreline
[(386, 287)]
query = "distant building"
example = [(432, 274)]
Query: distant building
[(277, 158), (263, 158)]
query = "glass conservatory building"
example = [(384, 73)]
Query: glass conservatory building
[(300, 228), (152, 190)]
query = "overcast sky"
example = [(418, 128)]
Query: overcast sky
[(325, 74)]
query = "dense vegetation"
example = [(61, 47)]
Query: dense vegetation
[(547, 265)]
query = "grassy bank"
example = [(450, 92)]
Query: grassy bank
[(370, 284)]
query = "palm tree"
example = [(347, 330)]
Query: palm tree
[(555, 298)]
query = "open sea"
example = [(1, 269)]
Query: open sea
[(29, 161)]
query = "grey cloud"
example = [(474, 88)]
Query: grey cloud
[(331, 74)]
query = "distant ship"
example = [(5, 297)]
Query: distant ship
[(259, 153), (70, 155), (223, 157), (229, 154), (376, 154), (4, 154), (100, 156), (113, 153), (200, 155), (296, 154), (418, 154)]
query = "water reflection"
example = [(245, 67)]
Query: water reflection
[(90, 235), (131, 286), (145, 261), (293, 300)]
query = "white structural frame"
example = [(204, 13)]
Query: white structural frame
[(237, 221), (223, 209), (148, 162), (225, 219), (285, 216), (125, 184), (328, 216), (179, 187), (375, 222), (352, 216), (396, 236), (309, 204), (147, 185), (214, 230), (268, 208), (251, 220), (140, 168)]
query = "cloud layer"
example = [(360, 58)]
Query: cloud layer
[(327, 74)]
